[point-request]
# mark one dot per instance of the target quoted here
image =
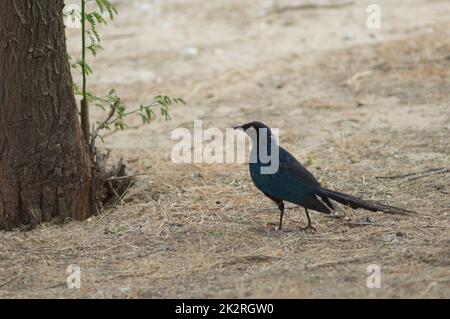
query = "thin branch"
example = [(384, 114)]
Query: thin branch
[(129, 113), (118, 178), (84, 102), (133, 127), (115, 193), (119, 197), (102, 125), (338, 261), (308, 6), (10, 280), (418, 175)]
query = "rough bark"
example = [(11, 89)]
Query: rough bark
[(45, 167)]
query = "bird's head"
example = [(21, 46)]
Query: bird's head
[(258, 128), (265, 148)]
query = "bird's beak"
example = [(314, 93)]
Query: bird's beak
[(238, 128)]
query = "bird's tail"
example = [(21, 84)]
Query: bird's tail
[(355, 202)]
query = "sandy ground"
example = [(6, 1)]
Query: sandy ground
[(352, 104)]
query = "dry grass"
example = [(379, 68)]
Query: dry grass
[(350, 114), (208, 233)]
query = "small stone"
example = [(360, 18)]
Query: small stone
[(348, 36), (124, 289), (190, 52)]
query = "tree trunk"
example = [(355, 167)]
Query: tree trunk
[(45, 167)]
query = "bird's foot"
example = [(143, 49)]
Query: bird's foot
[(276, 226), (310, 229), (278, 229)]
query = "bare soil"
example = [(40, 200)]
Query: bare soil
[(352, 104)]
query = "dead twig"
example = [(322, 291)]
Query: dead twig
[(312, 5), (361, 224), (118, 178), (338, 261), (113, 190), (10, 280), (417, 175)]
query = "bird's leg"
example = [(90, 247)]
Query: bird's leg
[(281, 207), (309, 226)]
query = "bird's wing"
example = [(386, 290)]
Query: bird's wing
[(292, 182), (288, 186), (290, 163)]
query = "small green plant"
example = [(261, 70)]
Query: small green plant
[(119, 112)]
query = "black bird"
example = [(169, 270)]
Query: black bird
[(294, 183)]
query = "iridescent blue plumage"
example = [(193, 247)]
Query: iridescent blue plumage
[(294, 183)]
